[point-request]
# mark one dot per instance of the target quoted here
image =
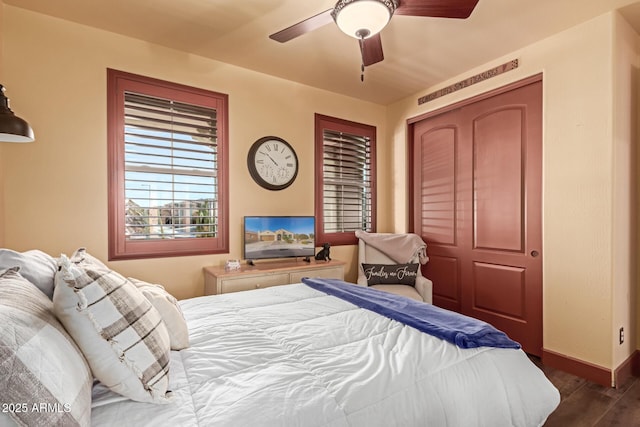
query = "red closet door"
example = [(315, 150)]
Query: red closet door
[(477, 203)]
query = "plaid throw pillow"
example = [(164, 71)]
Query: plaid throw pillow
[(120, 333), (44, 378)]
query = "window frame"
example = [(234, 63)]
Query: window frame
[(119, 247), (323, 122)]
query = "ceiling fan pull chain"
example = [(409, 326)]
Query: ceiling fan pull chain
[(362, 34)]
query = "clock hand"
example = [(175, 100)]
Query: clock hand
[(274, 162), (270, 158)]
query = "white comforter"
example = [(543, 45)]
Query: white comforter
[(293, 356)]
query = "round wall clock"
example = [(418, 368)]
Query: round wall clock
[(272, 163)]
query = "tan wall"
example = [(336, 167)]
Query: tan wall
[(625, 203), (578, 197), (56, 189)]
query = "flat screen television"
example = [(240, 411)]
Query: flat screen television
[(278, 237)]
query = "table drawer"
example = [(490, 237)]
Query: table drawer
[(238, 284), (325, 273)]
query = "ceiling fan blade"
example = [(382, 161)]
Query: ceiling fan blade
[(371, 50), (303, 27), (460, 9)]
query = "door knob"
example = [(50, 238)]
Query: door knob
[(535, 253)]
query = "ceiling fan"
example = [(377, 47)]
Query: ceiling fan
[(364, 19)]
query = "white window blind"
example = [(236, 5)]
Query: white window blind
[(346, 182), (171, 186)]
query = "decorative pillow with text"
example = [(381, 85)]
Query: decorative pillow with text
[(391, 274)]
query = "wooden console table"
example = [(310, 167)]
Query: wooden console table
[(262, 275)]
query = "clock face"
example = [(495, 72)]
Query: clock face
[(272, 163)]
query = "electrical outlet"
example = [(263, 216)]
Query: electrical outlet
[(621, 335)]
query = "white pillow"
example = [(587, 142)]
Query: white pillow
[(44, 378), (120, 333), (168, 307), (36, 266)]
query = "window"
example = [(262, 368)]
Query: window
[(345, 186), (167, 168)]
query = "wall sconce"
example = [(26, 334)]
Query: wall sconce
[(12, 127)]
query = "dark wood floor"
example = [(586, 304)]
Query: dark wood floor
[(586, 404)]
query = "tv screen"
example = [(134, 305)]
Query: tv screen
[(278, 237)]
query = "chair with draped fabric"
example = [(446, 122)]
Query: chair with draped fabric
[(392, 263)]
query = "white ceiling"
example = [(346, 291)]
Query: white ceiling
[(419, 52)]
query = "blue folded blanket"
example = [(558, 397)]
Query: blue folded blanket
[(463, 331)]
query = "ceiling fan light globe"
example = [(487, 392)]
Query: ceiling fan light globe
[(356, 17)]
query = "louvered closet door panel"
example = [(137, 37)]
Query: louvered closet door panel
[(436, 207), (438, 185)]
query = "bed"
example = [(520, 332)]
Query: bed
[(292, 355), (295, 355)]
